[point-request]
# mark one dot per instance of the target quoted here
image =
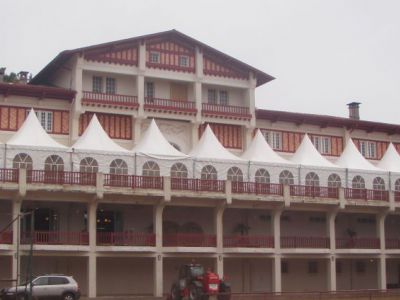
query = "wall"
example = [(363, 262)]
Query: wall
[(125, 85), (236, 96), (350, 279), (259, 221), (361, 227), (296, 220)]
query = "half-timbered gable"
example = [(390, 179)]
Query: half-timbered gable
[(218, 66), (115, 54)]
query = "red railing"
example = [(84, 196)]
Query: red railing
[(133, 181), (304, 242), (110, 99), (170, 104), (227, 110), (125, 238), (257, 188), (56, 238), (253, 241), (357, 243), (55, 177), (392, 243), (6, 237), (314, 191), (9, 175), (189, 240), (365, 194), (397, 196), (198, 185)]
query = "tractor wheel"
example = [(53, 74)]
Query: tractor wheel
[(176, 292), (226, 291), (195, 293)]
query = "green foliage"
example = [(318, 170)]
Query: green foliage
[(11, 77)]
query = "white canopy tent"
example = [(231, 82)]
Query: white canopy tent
[(391, 163)]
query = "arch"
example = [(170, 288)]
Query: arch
[(235, 174), (358, 182), (179, 170), (312, 179), (286, 177), (22, 161), (262, 176), (118, 167), (209, 173), (88, 165), (151, 168), (397, 185), (54, 163), (378, 184), (191, 227), (334, 181)]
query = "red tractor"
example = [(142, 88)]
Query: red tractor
[(196, 284)]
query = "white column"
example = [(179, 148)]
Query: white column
[(142, 56), (251, 98), (382, 272), (380, 230), (195, 134), (92, 280), (197, 88), (77, 85), (276, 226), (16, 258), (331, 273), (276, 274), (140, 95), (157, 224), (331, 230), (219, 265), (158, 276), (219, 232), (380, 224), (92, 267)]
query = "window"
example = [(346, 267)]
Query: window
[(379, 184), (223, 97), (322, 144), (212, 97), (262, 176), (312, 179), (97, 86), (155, 57), (89, 165), (118, 167), (149, 91), (276, 140), (235, 174), (371, 150), (209, 172), (54, 163), (368, 149), (312, 267), (150, 168), (286, 177), (179, 170), (110, 86), (41, 281), (334, 181), (358, 182), (58, 280), (45, 118), (183, 60), (284, 267), (22, 161), (266, 136), (397, 185)]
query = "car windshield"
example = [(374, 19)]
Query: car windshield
[(197, 271)]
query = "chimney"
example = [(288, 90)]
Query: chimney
[(2, 73), (23, 77), (354, 111)]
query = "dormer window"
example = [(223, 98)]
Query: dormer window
[(155, 57)]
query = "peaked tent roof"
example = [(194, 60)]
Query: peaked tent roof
[(351, 158), (154, 143), (391, 160), (95, 138), (260, 151), (32, 134), (210, 148), (308, 155), (61, 58)]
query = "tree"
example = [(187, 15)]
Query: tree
[(11, 77)]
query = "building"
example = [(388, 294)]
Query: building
[(307, 202)]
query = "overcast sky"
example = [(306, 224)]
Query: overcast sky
[(323, 53)]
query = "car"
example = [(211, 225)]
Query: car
[(45, 287)]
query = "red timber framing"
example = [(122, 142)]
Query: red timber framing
[(215, 66), (37, 91), (122, 55), (230, 136), (116, 126), (171, 55), (380, 147), (12, 117)]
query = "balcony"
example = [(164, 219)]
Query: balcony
[(133, 181), (253, 241), (305, 242), (9, 175), (397, 196), (357, 243), (364, 194), (109, 100), (125, 238), (6, 237), (189, 240), (257, 188), (314, 191), (170, 105), (198, 185), (55, 238), (61, 178), (226, 111)]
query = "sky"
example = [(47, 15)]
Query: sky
[(323, 53)]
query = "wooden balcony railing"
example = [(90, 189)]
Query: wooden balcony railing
[(198, 185), (392, 243), (56, 238), (252, 241), (133, 181), (357, 243), (170, 105), (55, 177), (110, 99), (304, 242), (125, 238), (189, 240), (397, 196), (364, 194), (6, 237), (226, 110), (257, 188), (9, 175), (314, 191)]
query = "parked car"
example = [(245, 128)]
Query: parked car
[(45, 287)]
